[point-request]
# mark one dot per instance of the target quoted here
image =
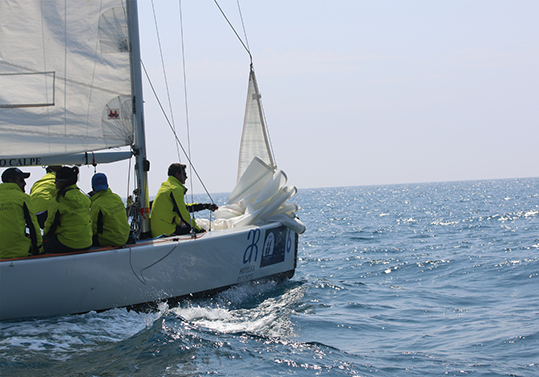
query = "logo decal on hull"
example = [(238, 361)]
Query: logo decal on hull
[(253, 247), (274, 246)]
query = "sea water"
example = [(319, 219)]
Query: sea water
[(401, 280)]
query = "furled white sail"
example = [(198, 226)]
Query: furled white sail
[(254, 139), (260, 197), (65, 80)]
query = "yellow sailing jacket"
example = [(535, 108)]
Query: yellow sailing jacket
[(109, 219), (169, 209), (69, 219), (17, 213), (42, 191)]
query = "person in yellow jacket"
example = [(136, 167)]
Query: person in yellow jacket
[(68, 226), (17, 214), (42, 191), (170, 215), (108, 215)]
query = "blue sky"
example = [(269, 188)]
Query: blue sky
[(355, 92)]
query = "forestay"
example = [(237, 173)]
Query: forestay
[(65, 85)]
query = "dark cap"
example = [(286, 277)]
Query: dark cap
[(13, 173), (99, 182), (67, 174)]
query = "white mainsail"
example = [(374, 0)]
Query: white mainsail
[(254, 139), (65, 83)]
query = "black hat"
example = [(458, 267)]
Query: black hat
[(12, 173), (67, 174)]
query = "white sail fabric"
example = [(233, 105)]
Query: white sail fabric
[(260, 197), (254, 139), (65, 79)]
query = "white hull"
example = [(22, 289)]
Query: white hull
[(155, 270)]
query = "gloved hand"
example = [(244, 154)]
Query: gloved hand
[(211, 206)]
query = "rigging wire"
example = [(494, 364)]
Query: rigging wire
[(170, 121), (174, 131), (171, 125), (247, 48), (164, 74), (186, 104), (234, 30), (243, 26)]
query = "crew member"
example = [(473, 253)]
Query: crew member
[(68, 226), (42, 191), (17, 214), (170, 214), (108, 215)]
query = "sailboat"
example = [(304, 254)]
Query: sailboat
[(71, 90)]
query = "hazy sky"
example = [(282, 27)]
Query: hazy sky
[(354, 92)]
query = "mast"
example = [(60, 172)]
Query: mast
[(142, 165)]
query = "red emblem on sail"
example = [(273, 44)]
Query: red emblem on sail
[(113, 114)]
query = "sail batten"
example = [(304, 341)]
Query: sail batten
[(65, 78)]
